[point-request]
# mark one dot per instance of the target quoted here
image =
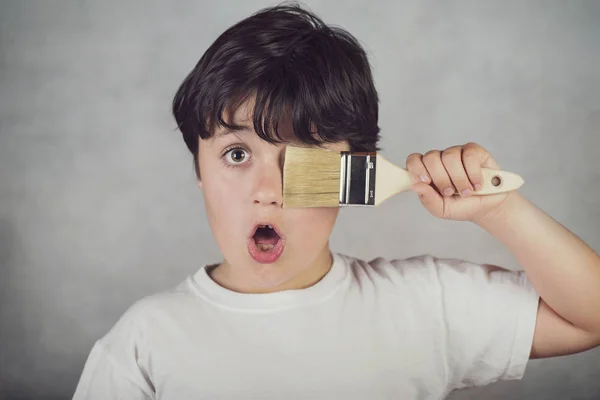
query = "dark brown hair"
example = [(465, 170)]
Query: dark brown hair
[(293, 64)]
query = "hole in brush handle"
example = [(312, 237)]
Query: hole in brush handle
[(498, 181)]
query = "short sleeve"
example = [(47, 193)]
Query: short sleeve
[(103, 378), (116, 367), (489, 314)]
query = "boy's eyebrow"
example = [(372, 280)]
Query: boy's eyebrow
[(227, 131)]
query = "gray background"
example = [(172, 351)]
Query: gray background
[(98, 202)]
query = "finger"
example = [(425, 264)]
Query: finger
[(431, 200), (473, 157), (433, 162), (452, 160), (414, 165)]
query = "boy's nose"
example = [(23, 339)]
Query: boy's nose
[(269, 188)]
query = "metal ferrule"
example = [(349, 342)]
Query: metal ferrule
[(357, 179)]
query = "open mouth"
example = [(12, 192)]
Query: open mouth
[(266, 244), (265, 237)]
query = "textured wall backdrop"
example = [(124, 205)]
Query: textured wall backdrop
[(98, 204)]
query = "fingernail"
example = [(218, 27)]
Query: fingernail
[(448, 191), (478, 186), (424, 179), (466, 192)]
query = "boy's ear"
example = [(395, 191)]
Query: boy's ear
[(199, 183)]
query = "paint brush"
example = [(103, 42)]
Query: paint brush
[(315, 177)]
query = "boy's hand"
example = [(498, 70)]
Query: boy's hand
[(445, 182)]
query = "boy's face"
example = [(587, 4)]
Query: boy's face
[(241, 178)]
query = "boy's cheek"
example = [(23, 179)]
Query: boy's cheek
[(319, 221), (221, 202), (219, 185)]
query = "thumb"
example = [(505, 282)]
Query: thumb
[(429, 197)]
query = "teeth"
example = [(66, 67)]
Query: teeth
[(265, 247), (266, 226)]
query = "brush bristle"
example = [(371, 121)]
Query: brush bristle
[(311, 178)]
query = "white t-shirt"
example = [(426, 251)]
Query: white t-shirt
[(403, 329)]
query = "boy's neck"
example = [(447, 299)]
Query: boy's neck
[(228, 277)]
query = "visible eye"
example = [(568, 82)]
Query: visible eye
[(235, 156)]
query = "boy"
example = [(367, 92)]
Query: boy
[(283, 317)]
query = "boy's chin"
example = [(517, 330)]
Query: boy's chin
[(291, 270), (286, 275), (266, 256)]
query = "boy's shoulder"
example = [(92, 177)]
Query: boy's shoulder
[(423, 264), (385, 263), (426, 271), (158, 309)]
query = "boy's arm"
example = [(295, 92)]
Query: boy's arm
[(564, 270)]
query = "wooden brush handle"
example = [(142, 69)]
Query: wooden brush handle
[(497, 181), (392, 179)]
